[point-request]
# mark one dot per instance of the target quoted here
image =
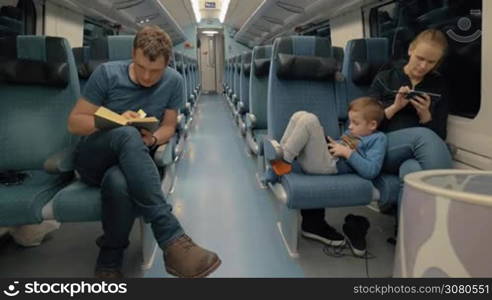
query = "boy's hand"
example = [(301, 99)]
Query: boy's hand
[(339, 150)]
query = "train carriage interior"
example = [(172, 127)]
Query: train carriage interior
[(246, 68)]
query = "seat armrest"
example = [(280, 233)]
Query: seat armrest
[(181, 123), (250, 121), (164, 155), (240, 108), (60, 162), (272, 149)]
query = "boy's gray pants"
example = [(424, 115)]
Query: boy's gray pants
[(304, 138)]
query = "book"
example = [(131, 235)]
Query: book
[(106, 119)]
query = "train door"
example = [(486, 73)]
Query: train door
[(211, 59)]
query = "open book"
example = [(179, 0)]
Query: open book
[(107, 119)]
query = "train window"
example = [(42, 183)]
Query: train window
[(461, 20), (94, 30), (17, 17)]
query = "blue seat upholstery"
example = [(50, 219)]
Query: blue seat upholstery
[(303, 88), (236, 83), (243, 104), (256, 119), (38, 89), (81, 56)]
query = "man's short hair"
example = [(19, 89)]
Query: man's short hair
[(154, 42), (371, 108)]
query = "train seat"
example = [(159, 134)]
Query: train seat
[(256, 119), (38, 89), (81, 56), (243, 105), (302, 77)]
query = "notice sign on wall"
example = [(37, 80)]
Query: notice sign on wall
[(209, 4)]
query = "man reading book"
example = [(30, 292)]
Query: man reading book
[(119, 159)]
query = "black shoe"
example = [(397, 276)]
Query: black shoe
[(324, 233), (355, 229), (109, 262)]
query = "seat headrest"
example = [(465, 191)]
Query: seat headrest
[(34, 60), (367, 56), (261, 52), (110, 48), (262, 66), (246, 63), (81, 56), (23, 71), (300, 67)]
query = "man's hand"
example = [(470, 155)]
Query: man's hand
[(148, 138), (129, 114)]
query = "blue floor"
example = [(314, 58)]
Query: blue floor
[(219, 203)]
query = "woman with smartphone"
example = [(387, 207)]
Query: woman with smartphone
[(416, 108)]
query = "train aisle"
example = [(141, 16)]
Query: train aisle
[(220, 204)]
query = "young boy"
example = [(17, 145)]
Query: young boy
[(360, 150)]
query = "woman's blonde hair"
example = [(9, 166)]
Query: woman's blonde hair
[(433, 36)]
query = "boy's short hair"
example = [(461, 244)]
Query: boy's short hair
[(372, 109), (154, 42)]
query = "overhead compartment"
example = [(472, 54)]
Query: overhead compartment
[(130, 14)]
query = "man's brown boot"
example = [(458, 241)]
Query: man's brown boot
[(184, 258)]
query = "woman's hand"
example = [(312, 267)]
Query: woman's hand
[(400, 99), (129, 114), (422, 105), (399, 103)]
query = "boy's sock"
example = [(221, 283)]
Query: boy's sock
[(281, 167)]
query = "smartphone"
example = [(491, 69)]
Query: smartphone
[(413, 93)]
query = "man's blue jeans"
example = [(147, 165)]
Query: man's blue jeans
[(119, 162), (415, 149)]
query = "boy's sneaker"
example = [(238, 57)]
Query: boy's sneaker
[(355, 229), (281, 167), (324, 233)]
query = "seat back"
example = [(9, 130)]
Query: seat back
[(38, 88), (258, 89), (237, 73), (363, 59), (302, 77), (81, 56), (244, 79), (180, 67)]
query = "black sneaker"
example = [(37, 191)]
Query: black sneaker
[(355, 229), (109, 262), (323, 233)]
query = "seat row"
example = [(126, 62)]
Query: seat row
[(304, 73), (39, 85)]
